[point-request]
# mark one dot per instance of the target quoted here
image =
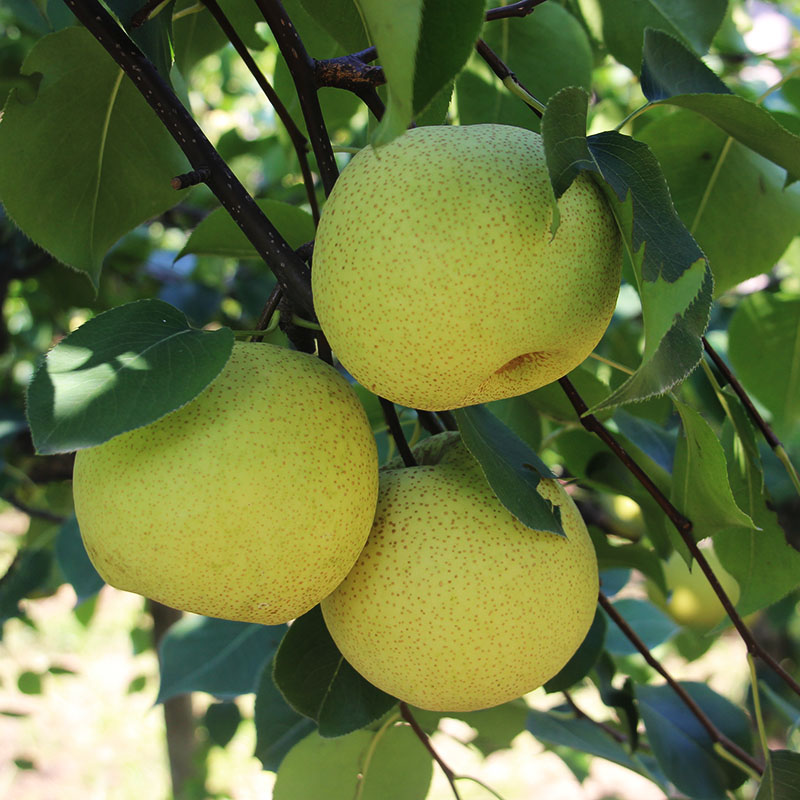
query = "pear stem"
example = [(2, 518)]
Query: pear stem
[(508, 78), (396, 429)]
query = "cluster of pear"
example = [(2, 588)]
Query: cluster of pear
[(440, 281)]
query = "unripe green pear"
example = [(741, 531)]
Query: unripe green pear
[(455, 605), (436, 276), (692, 601), (249, 503)]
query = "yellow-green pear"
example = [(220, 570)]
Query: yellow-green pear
[(455, 605), (436, 276), (691, 600), (251, 502)]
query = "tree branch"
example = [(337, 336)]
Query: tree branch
[(712, 730), (508, 78), (521, 9), (292, 274), (302, 68), (299, 141), (396, 429), (682, 525)]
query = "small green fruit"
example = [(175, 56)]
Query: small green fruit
[(437, 279), (691, 601), (250, 503), (455, 605)]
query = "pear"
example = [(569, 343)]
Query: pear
[(251, 502), (436, 275), (455, 605)]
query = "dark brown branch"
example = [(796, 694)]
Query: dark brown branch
[(302, 68), (496, 64), (684, 528), (292, 274), (405, 713), (396, 429), (36, 513), (593, 425), (581, 714), (521, 9), (270, 307), (430, 422), (712, 730), (347, 72), (772, 440), (299, 141), (143, 14)]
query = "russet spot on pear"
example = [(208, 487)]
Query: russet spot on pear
[(455, 605), (249, 503), (436, 277)]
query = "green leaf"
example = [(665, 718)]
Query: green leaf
[(651, 625), (511, 467), (394, 28), (624, 24), (584, 736), (317, 681), (389, 763), (219, 235), (123, 369), (632, 556), (27, 572), (732, 198), (782, 776), (74, 562), (495, 728), (764, 564), (278, 726), (700, 488), (673, 277), (748, 123), (547, 50), (764, 349), (223, 658), (112, 167), (682, 745), (222, 721), (584, 658), (669, 68), (341, 20)]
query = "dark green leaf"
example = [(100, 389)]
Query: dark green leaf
[(74, 561), (449, 31), (222, 721), (27, 572), (86, 105), (649, 623), (634, 556), (732, 198), (223, 658), (681, 744), (219, 235), (748, 123), (782, 776), (518, 414), (764, 348), (278, 726), (316, 680), (649, 437), (124, 369), (764, 564), (511, 467), (495, 727), (669, 68), (390, 763), (700, 488), (584, 658), (153, 37), (547, 50), (341, 20), (625, 22)]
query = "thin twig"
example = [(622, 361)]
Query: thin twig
[(509, 78), (36, 513), (520, 9), (396, 429), (712, 730), (302, 68), (299, 141), (405, 712), (581, 714), (293, 275), (270, 307)]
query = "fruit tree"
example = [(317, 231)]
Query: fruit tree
[(415, 362)]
